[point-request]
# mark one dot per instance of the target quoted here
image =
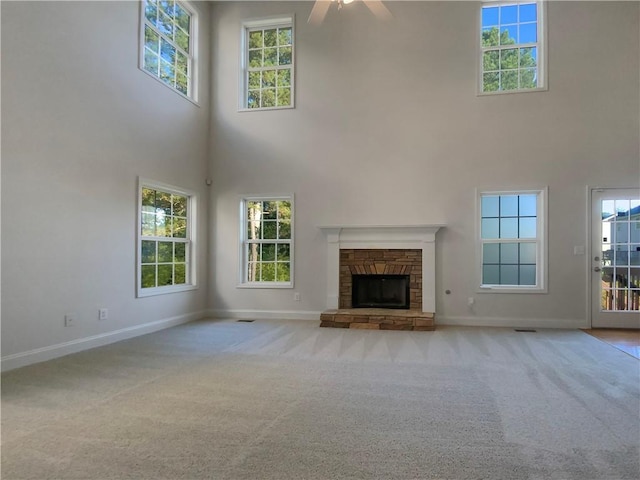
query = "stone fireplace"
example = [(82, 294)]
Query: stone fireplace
[(380, 251), (380, 262)]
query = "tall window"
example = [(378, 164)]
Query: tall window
[(168, 42), (165, 239), (512, 240), (267, 64), (512, 46), (267, 241)]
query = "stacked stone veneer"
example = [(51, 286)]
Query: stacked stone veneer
[(378, 319), (380, 262)]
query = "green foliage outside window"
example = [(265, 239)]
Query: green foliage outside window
[(268, 241), (164, 231), (507, 68), (167, 33), (269, 58), (510, 46)]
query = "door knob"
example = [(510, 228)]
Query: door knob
[(596, 269)]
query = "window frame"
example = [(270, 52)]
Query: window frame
[(243, 241), (541, 46), (541, 242), (189, 240), (279, 21), (192, 55)]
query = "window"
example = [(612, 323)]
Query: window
[(168, 43), (512, 241), (165, 239), (267, 241), (267, 64), (512, 47)]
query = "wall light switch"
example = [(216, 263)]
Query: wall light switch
[(103, 314)]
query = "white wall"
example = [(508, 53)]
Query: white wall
[(388, 129), (80, 122), (375, 103)]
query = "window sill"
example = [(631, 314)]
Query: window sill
[(265, 109), (504, 289), (510, 92), (266, 285), (151, 292)]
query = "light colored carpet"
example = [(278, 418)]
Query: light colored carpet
[(289, 400)]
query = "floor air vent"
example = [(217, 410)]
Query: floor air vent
[(246, 321), (525, 330)]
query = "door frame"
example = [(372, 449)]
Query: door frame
[(589, 250)]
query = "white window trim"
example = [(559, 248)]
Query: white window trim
[(193, 47), (542, 48), (542, 219), (242, 271), (191, 244), (274, 21)]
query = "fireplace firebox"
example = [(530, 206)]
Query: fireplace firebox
[(380, 291)]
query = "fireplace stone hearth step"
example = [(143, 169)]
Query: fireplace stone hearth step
[(378, 319)]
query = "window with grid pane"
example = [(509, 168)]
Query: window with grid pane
[(168, 29), (512, 239), (512, 47), (267, 77), (620, 287), (164, 240), (267, 241)]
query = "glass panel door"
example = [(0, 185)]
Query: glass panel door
[(616, 258)]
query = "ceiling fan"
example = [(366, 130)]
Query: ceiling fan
[(321, 7)]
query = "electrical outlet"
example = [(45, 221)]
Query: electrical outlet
[(103, 314), (69, 320), (296, 297)]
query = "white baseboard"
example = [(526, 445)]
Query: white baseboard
[(266, 314), (513, 322), (43, 354)]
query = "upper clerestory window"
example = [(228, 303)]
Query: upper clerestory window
[(168, 44), (267, 61), (513, 48)]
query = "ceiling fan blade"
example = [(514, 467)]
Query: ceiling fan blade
[(319, 11), (378, 9)]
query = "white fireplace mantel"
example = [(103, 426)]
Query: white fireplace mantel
[(413, 237)]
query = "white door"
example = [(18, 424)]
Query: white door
[(615, 258)]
